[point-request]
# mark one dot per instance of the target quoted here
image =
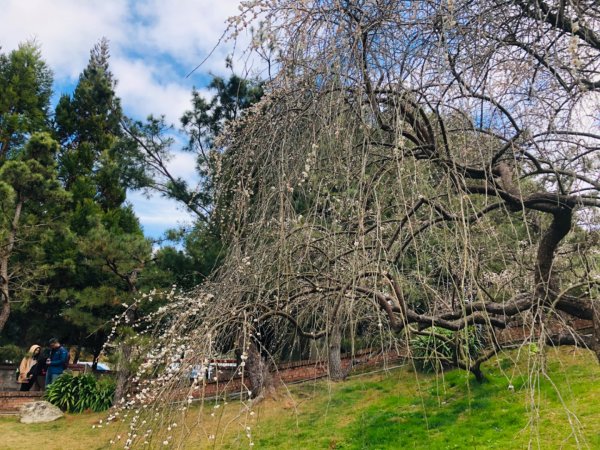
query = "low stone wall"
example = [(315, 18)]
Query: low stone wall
[(8, 380), (10, 397), (11, 401)]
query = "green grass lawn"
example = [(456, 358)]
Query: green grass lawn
[(397, 409)]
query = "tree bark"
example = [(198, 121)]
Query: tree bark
[(4, 293), (334, 354), (259, 375), (476, 370), (76, 354), (123, 372), (126, 350), (547, 285), (596, 332), (4, 277), (95, 358)]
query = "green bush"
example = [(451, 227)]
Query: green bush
[(11, 354), (438, 348), (79, 393), (105, 393)]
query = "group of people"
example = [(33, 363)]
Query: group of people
[(41, 367)]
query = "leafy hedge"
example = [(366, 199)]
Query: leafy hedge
[(79, 393), (11, 354), (438, 348)]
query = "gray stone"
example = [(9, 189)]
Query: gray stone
[(39, 412)]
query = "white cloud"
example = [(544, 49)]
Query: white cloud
[(187, 30), (143, 91), (66, 29), (168, 39), (158, 214), (184, 165)]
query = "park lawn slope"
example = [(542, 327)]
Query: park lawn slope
[(402, 409), (386, 410)]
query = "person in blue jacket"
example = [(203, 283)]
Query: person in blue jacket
[(57, 361)]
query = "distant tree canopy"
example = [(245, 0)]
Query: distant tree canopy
[(149, 148), (72, 251)]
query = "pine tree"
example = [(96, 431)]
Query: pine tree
[(25, 87), (88, 127), (30, 201), (30, 195), (107, 244), (147, 151)]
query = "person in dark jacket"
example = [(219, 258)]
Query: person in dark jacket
[(38, 372), (57, 361)]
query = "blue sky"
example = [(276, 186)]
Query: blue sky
[(154, 44)]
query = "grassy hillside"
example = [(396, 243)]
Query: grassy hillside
[(388, 410)]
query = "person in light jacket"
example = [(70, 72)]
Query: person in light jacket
[(28, 368), (57, 361)]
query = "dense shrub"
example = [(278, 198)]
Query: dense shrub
[(10, 354), (79, 393), (439, 348)]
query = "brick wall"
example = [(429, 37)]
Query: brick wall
[(290, 372), (10, 402), (519, 332)]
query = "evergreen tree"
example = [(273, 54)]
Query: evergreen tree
[(30, 201), (30, 195), (88, 127), (107, 244), (25, 87), (147, 152), (72, 251)]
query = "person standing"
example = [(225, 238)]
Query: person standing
[(57, 361), (28, 368)]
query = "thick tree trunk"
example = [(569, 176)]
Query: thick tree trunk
[(4, 312), (258, 373), (123, 371), (547, 284), (126, 352), (95, 358), (4, 279), (476, 370), (76, 354), (596, 333), (4, 293), (334, 354)]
